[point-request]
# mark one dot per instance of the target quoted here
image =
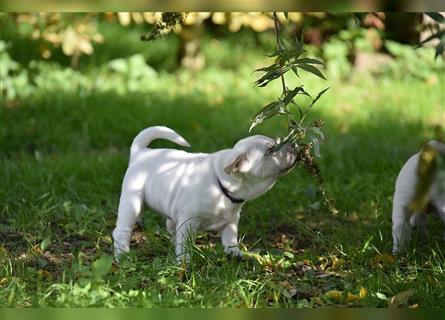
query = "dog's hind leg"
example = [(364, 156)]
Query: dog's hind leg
[(184, 238), (440, 207), (418, 221), (130, 207), (401, 228)]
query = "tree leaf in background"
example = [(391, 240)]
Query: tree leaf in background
[(437, 35), (440, 47), (436, 16)]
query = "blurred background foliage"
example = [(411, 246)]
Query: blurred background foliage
[(366, 43)]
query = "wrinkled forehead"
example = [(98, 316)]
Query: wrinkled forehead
[(254, 142)]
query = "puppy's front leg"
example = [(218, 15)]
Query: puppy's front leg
[(185, 236), (229, 237)]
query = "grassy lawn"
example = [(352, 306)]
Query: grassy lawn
[(64, 151)]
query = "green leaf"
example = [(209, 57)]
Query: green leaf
[(274, 66), (298, 46), (319, 96), (101, 266), (290, 95), (271, 75), (275, 53), (289, 255), (283, 44), (381, 296), (286, 14), (271, 109), (315, 144), (312, 69), (317, 131), (312, 103), (45, 243), (309, 61)]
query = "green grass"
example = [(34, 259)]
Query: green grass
[(64, 151)]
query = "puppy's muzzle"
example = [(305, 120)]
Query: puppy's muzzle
[(290, 157)]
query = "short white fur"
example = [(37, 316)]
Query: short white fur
[(403, 220), (183, 186)]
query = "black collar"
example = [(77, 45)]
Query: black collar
[(227, 193)]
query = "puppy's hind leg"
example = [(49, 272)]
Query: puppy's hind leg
[(184, 237), (130, 207), (418, 221), (401, 228), (440, 207)]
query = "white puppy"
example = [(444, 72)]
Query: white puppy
[(402, 218), (196, 191)]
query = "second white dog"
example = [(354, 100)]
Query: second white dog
[(402, 218), (196, 191)]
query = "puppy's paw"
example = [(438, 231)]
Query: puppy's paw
[(234, 253)]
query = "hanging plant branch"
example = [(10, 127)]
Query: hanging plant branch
[(304, 138)]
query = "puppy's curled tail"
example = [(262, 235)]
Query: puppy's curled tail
[(143, 139)]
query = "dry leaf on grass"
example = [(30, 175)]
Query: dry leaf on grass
[(383, 260)]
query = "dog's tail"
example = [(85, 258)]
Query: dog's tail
[(143, 139)]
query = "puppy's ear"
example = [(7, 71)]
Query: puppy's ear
[(237, 164)]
